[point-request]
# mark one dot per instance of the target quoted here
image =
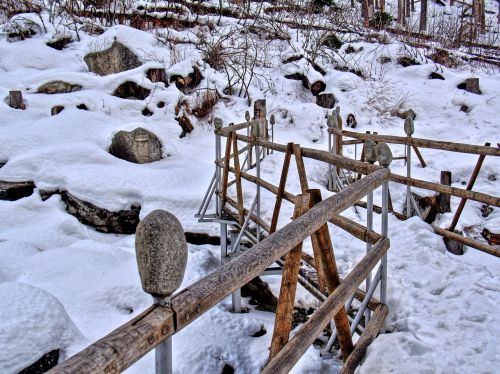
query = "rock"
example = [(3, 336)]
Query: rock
[(227, 369), (435, 75), (292, 58), (260, 332), (44, 364), (492, 238), (409, 126), (185, 124), (454, 247), (140, 146), (162, 253), (406, 61), (56, 110), (326, 100), (15, 190), (405, 113), (443, 57), (131, 90), (465, 108), (157, 75), (59, 44), (198, 238), (260, 295), (160, 104), (113, 60), (316, 87), (470, 85), (82, 107), (92, 29), (121, 222), (384, 155), (58, 87), (146, 112)]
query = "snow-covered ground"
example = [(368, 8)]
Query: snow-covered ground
[(64, 285)]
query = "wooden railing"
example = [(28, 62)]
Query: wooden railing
[(463, 193), (128, 343)]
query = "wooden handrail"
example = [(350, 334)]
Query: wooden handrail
[(420, 142), (128, 343)]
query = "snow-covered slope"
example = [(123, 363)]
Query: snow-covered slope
[(443, 309)]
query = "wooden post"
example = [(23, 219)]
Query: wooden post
[(300, 167), (423, 15), (472, 180), (328, 276), (237, 173), (444, 199), (419, 155), (259, 109), (284, 311), (16, 100), (281, 187)]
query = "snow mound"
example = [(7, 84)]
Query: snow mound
[(35, 311)]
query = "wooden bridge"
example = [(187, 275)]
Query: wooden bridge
[(344, 304)]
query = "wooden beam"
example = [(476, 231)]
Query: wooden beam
[(124, 346), (281, 188), (422, 143), (286, 301), (329, 276), (204, 294), (297, 152), (492, 250), (367, 337), (290, 354)]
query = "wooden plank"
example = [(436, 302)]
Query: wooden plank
[(355, 229), (297, 152), (202, 295), (291, 353), (470, 184), (225, 174), (286, 301), (458, 192), (422, 143), (124, 346), (281, 188), (492, 250), (367, 337), (343, 162), (226, 130), (239, 190), (328, 276), (419, 155)]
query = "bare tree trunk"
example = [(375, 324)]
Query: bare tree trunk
[(423, 15), (407, 8), (382, 6), (412, 5), (364, 11)]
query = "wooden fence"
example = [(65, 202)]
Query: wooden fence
[(124, 346)]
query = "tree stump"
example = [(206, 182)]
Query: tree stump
[(444, 199), (326, 100), (16, 100), (157, 75), (454, 247), (472, 85)]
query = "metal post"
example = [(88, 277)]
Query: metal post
[(408, 174), (257, 160), (369, 227), (218, 156), (335, 152), (236, 295), (223, 243), (330, 170), (163, 357), (385, 222)]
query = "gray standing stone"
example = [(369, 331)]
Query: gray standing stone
[(409, 127), (113, 60), (140, 146), (384, 155), (161, 251), (371, 154)]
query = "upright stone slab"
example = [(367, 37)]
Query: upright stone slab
[(161, 251), (140, 146)]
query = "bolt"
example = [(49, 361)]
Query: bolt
[(151, 339)]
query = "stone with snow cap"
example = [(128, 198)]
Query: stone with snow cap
[(161, 251)]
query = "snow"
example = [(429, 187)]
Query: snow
[(41, 325), (64, 285)]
